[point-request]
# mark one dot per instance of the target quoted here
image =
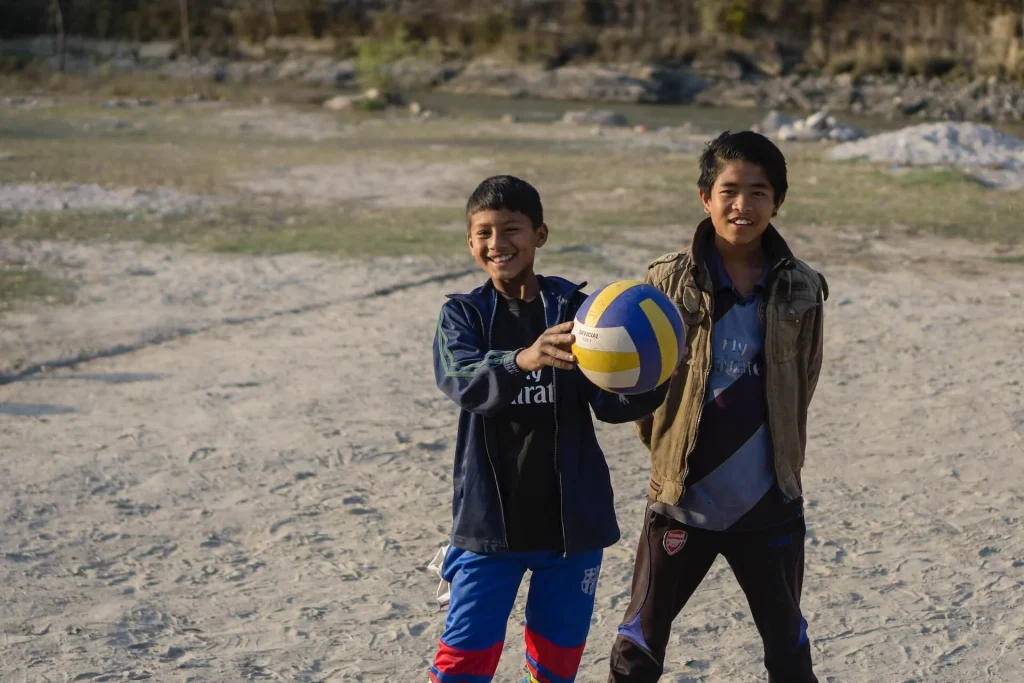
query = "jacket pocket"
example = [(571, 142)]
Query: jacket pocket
[(794, 322), (693, 314)]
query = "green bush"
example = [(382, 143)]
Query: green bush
[(375, 58)]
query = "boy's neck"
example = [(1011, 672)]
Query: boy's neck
[(741, 255), (525, 286)]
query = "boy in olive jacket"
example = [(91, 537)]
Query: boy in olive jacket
[(727, 444)]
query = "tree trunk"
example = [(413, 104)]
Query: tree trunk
[(272, 16), (58, 20), (187, 43)]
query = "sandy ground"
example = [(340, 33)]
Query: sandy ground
[(256, 497)]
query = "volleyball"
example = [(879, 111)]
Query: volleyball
[(629, 337)]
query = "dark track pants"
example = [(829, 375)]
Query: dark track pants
[(673, 559)]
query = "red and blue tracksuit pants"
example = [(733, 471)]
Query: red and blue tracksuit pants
[(483, 591)]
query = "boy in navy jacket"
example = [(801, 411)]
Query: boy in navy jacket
[(531, 486)]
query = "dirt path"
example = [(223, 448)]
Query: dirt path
[(257, 500)]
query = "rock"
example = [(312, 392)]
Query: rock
[(912, 106), (587, 83), (117, 104), (774, 121), (844, 133), (738, 95), (844, 80), (330, 72), (413, 73), (641, 129), (818, 121), (677, 86), (190, 99), (510, 118), (761, 57), (375, 98), (965, 145), (340, 103), (245, 72), (798, 132), (415, 108), (816, 127), (300, 45), (717, 68), (248, 50), (839, 98), (157, 51), (292, 69), (599, 117)]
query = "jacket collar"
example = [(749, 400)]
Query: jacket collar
[(779, 253), (555, 292)]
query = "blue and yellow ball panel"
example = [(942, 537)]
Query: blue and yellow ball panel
[(629, 337)]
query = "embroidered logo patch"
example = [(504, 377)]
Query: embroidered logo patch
[(674, 541), (589, 583)]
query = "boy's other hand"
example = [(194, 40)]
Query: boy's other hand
[(551, 348)]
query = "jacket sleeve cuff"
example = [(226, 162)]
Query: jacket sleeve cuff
[(510, 363)]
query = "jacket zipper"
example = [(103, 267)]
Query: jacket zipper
[(554, 399), (487, 449), (558, 465)]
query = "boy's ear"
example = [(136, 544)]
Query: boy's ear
[(778, 205), (705, 200), (542, 234)]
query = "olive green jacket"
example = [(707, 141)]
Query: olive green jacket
[(793, 314)]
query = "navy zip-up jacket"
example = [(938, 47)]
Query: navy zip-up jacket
[(483, 381)]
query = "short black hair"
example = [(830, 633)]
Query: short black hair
[(509, 193), (743, 146)]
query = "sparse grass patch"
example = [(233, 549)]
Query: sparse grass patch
[(344, 231), (19, 286), (931, 177)]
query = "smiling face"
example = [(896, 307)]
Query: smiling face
[(503, 243), (741, 203)]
